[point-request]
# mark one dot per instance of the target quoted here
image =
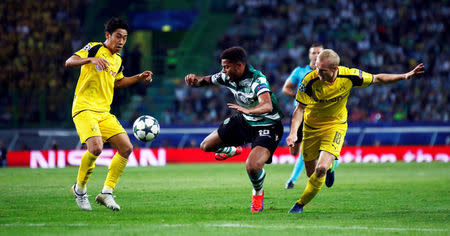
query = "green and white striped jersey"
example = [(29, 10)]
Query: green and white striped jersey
[(246, 93)]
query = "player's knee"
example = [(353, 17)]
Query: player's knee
[(203, 146), (96, 151), (253, 167), (126, 151), (320, 171), (206, 147)]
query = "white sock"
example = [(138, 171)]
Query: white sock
[(80, 190), (257, 193), (107, 190)]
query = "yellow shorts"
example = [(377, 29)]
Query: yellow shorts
[(91, 123), (330, 139)]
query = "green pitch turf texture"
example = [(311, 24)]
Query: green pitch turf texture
[(214, 199)]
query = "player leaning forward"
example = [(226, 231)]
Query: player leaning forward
[(322, 99), (101, 72), (258, 120)]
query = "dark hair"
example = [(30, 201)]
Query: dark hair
[(234, 54), (316, 44), (116, 23)]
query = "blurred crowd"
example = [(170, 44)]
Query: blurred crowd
[(36, 37), (375, 36)]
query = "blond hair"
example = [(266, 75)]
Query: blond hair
[(329, 55)]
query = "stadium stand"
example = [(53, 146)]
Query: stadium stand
[(36, 37), (386, 36), (389, 36)]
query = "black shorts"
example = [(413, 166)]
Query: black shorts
[(300, 133), (235, 131)]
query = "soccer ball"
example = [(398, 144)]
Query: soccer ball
[(146, 128)]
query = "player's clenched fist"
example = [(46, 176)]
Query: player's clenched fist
[(101, 63), (146, 75), (290, 140), (191, 80)]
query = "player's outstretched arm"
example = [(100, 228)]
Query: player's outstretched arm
[(127, 81), (264, 106), (296, 120), (76, 60), (193, 80), (289, 89), (391, 78)]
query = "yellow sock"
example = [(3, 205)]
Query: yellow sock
[(115, 170), (87, 166), (312, 188)]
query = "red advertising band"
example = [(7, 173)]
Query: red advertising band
[(162, 156)]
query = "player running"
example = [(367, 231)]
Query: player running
[(258, 118), (290, 88), (322, 99), (101, 72)]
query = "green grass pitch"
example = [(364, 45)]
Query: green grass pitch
[(214, 199)]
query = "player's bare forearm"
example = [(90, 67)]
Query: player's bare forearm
[(127, 81), (388, 78), (288, 89), (260, 109), (288, 92), (296, 120), (264, 106), (76, 60), (392, 78), (197, 81)]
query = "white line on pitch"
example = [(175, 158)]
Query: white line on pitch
[(42, 225), (229, 225), (313, 227)]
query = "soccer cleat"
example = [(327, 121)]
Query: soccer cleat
[(107, 200), (221, 156), (82, 200), (329, 180), (289, 185), (257, 203), (297, 208)]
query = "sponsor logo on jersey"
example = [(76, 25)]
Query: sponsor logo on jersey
[(328, 100)]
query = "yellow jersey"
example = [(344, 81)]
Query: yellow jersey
[(95, 87), (326, 102)]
